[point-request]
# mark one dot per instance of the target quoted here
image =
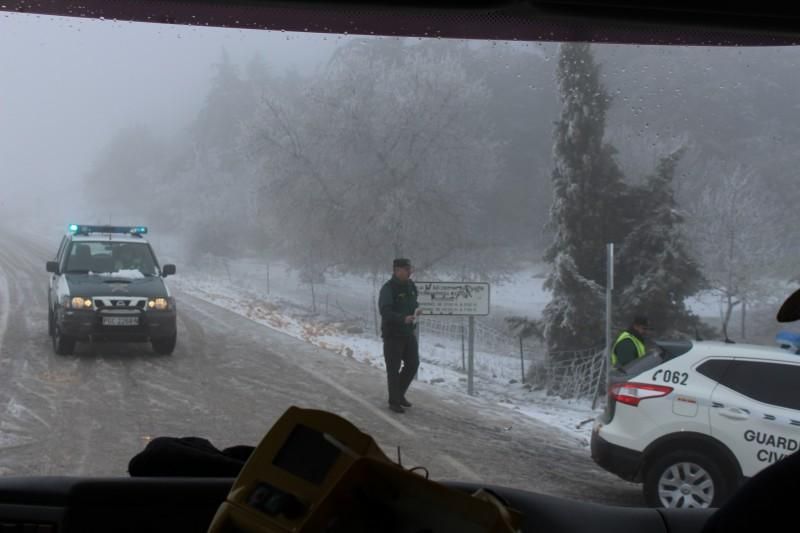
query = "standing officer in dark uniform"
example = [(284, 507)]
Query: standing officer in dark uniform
[(399, 311)]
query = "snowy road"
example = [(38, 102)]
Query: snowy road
[(228, 380)]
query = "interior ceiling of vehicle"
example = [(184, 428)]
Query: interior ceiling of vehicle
[(662, 22)]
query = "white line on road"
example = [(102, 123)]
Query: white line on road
[(322, 377), (366, 404), (19, 411)]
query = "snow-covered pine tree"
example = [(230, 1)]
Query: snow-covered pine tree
[(586, 211), (655, 258)]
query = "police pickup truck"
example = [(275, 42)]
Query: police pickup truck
[(107, 285)]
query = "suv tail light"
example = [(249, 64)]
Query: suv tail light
[(632, 393)]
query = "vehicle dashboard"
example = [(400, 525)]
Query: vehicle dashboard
[(79, 504)]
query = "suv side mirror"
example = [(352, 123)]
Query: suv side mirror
[(167, 270), (52, 267)]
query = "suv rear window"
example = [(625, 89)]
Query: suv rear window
[(767, 382), (714, 369), (643, 364)]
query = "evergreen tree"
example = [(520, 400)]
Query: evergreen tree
[(227, 105), (128, 165), (655, 258), (211, 177), (258, 73), (586, 212)]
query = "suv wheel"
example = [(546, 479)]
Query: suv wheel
[(166, 345), (51, 322), (62, 344), (686, 479)]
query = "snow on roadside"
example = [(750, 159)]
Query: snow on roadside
[(497, 377)]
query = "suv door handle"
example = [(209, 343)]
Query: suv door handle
[(734, 414)]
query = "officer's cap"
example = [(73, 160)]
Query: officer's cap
[(401, 262)]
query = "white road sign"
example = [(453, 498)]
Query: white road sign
[(453, 298)]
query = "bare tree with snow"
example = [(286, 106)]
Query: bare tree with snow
[(735, 237), (381, 158)]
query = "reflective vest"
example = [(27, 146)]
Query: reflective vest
[(640, 349)]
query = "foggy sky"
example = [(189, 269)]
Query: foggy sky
[(67, 85)]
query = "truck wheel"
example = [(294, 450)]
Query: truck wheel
[(165, 345), (62, 344)]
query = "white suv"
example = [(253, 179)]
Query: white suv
[(692, 420)]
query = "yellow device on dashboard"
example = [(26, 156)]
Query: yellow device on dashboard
[(316, 472)]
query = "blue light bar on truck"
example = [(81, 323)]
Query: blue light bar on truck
[(82, 229)]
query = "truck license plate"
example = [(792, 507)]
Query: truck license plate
[(120, 321)]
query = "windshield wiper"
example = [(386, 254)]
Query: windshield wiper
[(77, 271)]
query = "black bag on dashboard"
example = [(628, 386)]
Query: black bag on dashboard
[(188, 457)]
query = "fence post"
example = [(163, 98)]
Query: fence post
[(376, 321), (228, 270), (416, 334), (522, 359), (744, 318), (605, 361)]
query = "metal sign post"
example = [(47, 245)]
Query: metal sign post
[(471, 357), (456, 299), (463, 352), (416, 335), (609, 289)]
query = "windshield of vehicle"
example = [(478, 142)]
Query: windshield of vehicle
[(299, 180), (120, 259)]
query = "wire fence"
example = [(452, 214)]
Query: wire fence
[(573, 374), (487, 338), (576, 374)]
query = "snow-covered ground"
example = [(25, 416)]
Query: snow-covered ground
[(343, 322), (498, 377)]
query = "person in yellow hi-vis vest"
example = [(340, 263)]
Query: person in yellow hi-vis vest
[(630, 343)]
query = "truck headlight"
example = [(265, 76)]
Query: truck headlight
[(159, 304), (81, 303)]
